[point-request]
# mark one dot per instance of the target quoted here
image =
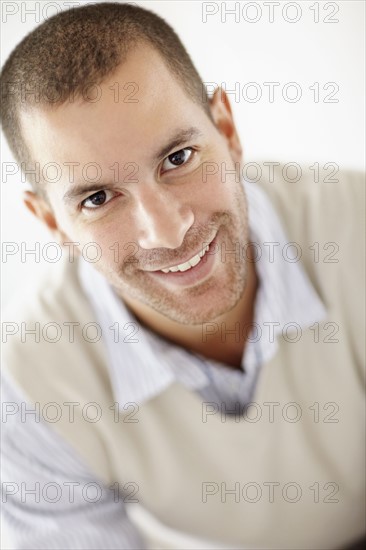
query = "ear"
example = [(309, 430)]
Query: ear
[(43, 211), (223, 118)]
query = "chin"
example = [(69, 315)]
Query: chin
[(203, 307), (193, 305)]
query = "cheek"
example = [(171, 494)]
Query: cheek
[(220, 192), (113, 242), (218, 182), (105, 244)]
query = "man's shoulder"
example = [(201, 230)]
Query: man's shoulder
[(314, 202), (53, 295), (50, 329), (326, 221), (325, 218)]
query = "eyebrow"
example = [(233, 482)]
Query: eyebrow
[(178, 138)]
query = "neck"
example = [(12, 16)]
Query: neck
[(222, 339)]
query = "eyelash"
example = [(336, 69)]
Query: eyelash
[(82, 204), (178, 151)]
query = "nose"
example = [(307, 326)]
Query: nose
[(162, 219)]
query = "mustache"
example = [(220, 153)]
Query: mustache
[(196, 237)]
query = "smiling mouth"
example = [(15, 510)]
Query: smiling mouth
[(192, 262), (188, 264)]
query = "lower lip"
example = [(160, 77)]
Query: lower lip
[(193, 275)]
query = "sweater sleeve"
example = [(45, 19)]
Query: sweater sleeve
[(50, 500)]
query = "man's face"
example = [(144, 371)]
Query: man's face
[(140, 189)]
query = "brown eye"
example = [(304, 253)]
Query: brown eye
[(177, 159), (97, 199)]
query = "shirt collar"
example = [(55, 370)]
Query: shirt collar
[(142, 364), (286, 297)]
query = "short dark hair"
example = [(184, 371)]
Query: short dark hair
[(84, 45)]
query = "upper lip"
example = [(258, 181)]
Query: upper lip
[(179, 262)]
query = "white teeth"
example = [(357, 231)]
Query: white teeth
[(203, 252), (190, 263), (194, 261), (184, 267)]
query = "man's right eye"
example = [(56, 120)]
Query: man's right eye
[(100, 198)]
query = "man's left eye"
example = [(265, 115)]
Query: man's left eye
[(177, 159)]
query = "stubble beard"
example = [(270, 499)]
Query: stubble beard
[(214, 296)]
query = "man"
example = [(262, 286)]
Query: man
[(148, 401)]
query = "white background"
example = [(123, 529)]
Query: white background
[(227, 51)]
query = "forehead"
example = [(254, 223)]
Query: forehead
[(122, 118)]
